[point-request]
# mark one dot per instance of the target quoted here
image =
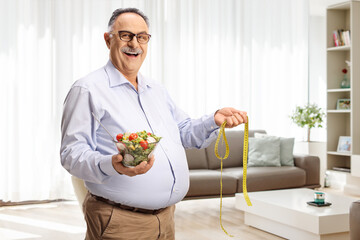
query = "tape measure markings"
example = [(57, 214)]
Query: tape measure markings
[(245, 154)]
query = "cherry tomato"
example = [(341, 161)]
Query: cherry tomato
[(133, 136), (149, 134), (119, 137), (144, 144)]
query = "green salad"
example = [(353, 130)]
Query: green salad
[(136, 147)]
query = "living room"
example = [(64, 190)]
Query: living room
[(262, 57)]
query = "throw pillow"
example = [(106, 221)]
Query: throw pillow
[(286, 149), (264, 152)]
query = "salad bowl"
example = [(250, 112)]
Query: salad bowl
[(136, 147)]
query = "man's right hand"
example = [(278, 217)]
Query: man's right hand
[(139, 169)]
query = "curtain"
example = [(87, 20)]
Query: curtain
[(248, 54)]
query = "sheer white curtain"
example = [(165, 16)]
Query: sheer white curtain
[(250, 54)]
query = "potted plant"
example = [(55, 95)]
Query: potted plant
[(309, 116)]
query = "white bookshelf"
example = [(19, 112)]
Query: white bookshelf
[(343, 122), (340, 48)]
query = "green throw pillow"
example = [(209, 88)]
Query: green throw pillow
[(264, 152), (286, 149)]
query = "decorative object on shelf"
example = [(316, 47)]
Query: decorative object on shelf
[(348, 63), (309, 116), (345, 83), (341, 37), (344, 144), (343, 104)]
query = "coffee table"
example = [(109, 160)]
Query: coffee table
[(285, 213)]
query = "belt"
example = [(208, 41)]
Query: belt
[(128, 208)]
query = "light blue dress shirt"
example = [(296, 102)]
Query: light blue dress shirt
[(87, 150)]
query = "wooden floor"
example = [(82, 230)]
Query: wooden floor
[(194, 219), (199, 220)]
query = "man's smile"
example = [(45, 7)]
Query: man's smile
[(131, 52), (131, 55)]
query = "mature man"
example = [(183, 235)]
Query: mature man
[(131, 203)]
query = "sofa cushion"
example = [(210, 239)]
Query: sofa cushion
[(269, 178), (196, 158), (286, 149), (236, 143), (264, 152), (207, 183)]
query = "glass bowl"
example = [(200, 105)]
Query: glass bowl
[(134, 154)]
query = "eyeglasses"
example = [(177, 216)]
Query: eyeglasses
[(126, 36)]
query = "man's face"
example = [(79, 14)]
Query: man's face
[(128, 64)]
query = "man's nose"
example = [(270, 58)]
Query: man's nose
[(133, 43)]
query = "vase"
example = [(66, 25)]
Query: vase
[(345, 83)]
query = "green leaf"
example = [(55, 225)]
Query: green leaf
[(309, 116)]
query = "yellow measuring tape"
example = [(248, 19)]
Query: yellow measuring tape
[(245, 154)]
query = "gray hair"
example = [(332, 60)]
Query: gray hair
[(119, 11)]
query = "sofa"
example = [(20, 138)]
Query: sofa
[(205, 171)]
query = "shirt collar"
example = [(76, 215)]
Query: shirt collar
[(116, 78)]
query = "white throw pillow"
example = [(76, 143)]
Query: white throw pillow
[(286, 149), (264, 152)]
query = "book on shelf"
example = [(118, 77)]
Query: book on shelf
[(341, 37), (341, 169)]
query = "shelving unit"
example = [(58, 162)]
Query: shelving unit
[(343, 122), (340, 48)]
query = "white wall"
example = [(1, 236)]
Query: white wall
[(317, 69), (317, 58), (318, 7)]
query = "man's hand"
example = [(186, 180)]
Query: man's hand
[(139, 169), (232, 116)]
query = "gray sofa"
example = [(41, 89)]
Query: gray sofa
[(205, 171)]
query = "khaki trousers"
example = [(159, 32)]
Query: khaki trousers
[(105, 221)]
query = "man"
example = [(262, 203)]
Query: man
[(131, 203)]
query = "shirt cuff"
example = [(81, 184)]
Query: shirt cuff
[(209, 122), (106, 166)]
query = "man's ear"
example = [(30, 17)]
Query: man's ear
[(107, 39)]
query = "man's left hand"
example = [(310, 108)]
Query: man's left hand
[(232, 116)]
